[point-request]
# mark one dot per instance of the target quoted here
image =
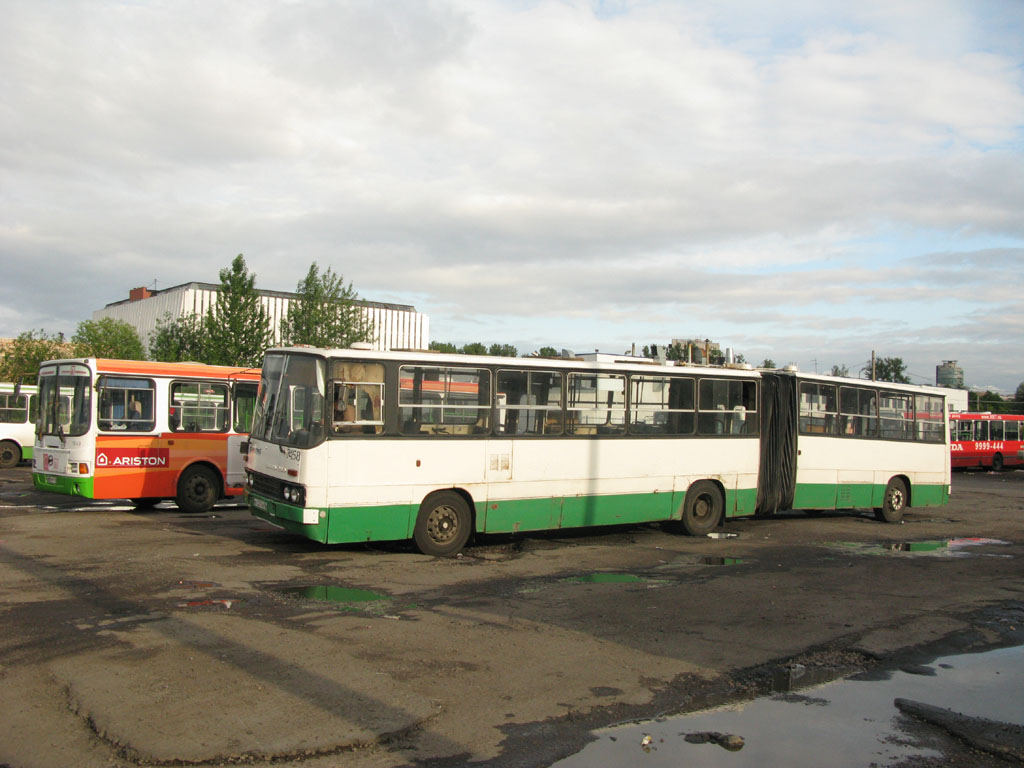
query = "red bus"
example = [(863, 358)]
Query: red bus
[(985, 440)]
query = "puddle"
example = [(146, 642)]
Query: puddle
[(854, 722), (918, 546), (609, 578), (721, 561), (941, 547), (330, 594)]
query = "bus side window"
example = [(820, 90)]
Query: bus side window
[(529, 402), (995, 430), (198, 407), (356, 395), (13, 409), (817, 408), (727, 407), (859, 416), (125, 404)]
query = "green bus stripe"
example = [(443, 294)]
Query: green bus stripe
[(337, 525)]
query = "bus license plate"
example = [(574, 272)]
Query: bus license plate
[(260, 504), (50, 479)]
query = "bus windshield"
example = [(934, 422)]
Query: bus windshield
[(290, 404), (64, 400)]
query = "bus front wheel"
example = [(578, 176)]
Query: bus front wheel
[(442, 525), (702, 508), (894, 502), (10, 454), (197, 490), (997, 463)]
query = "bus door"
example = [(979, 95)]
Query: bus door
[(243, 396)]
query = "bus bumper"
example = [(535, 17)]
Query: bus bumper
[(70, 486), (311, 523)]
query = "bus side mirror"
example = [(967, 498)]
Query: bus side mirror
[(243, 447)]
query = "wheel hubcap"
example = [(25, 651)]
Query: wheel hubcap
[(702, 508), (443, 524)]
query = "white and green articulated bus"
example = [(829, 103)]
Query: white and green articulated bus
[(17, 423), (353, 445)]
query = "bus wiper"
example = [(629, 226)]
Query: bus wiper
[(60, 433)]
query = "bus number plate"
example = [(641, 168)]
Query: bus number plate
[(260, 504), (50, 479)]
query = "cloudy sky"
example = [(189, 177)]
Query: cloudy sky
[(803, 180)]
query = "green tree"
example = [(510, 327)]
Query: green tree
[(20, 361), (474, 348), (1018, 396), (325, 314), (175, 341), (444, 346), (840, 370), (238, 329), (767, 363), (891, 369), (672, 351), (987, 401), (502, 350), (108, 337), (547, 352)]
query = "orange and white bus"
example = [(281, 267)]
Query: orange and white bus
[(986, 440), (144, 431)]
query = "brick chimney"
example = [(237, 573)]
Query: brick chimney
[(135, 294)]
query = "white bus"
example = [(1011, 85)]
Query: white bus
[(351, 445), (17, 423)]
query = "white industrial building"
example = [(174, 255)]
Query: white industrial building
[(395, 326)]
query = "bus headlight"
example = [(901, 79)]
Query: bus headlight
[(294, 494)]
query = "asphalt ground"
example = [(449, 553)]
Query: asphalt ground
[(160, 638)]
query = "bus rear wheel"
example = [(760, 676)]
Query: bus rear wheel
[(894, 502), (702, 508), (442, 525), (997, 463), (197, 490), (10, 454)]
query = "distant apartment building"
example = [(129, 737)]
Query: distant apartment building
[(699, 350), (395, 326), (949, 374)]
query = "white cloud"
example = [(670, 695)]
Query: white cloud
[(549, 170)]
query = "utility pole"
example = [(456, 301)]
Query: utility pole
[(873, 365)]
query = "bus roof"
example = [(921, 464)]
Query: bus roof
[(151, 368), (633, 365)]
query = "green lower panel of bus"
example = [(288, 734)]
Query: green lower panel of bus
[(583, 511), (862, 496), (72, 486), (339, 525)]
